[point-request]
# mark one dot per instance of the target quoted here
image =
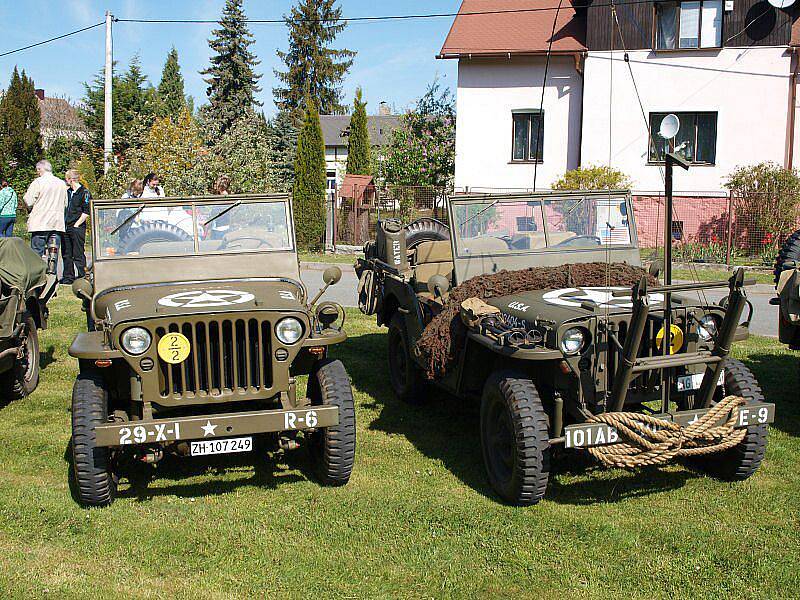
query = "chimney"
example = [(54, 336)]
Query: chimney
[(39, 93), (383, 109)]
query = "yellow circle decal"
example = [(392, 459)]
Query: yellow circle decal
[(675, 339), (174, 348)]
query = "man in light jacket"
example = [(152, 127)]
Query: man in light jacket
[(46, 198)]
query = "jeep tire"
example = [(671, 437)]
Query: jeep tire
[(333, 449), (95, 479), (405, 376), (741, 461), (514, 438), (23, 378), (790, 251)]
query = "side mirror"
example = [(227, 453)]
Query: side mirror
[(655, 267), (82, 288), (332, 275), (438, 285)]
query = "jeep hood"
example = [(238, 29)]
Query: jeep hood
[(136, 303), (570, 303)]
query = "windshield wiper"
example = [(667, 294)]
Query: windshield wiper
[(574, 206), (222, 212), (128, 219), (478, 214)]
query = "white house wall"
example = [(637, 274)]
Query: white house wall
[(488, 91), (747, 86)]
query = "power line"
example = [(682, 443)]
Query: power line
[(53, 39), (383, 17)]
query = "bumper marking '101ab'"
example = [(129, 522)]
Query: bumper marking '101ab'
[(213, 426), (600, 434)]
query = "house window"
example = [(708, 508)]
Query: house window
[(696, 140), (695, 24), (527, 136)]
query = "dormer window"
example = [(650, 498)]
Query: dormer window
[(695, 24)]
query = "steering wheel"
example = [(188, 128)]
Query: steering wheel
[(571, 241), (244, 242)]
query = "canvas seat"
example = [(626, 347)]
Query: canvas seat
[(429, 259)]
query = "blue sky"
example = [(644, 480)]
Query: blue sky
[(395, 60)]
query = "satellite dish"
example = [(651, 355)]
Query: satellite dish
[(781, 3), (669, 126)]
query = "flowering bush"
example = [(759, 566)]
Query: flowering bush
[(422, 150)]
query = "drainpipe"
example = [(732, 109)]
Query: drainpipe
[(792, 109), (580, 61)]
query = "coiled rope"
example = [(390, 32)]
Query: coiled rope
[(647, 440)]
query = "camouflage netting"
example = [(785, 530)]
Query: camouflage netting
[(445, 333)]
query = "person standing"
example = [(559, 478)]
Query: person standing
[(46, 198), (152, 187), (72, 249), (221, 225), (8, 209)]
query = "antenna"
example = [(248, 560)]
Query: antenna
[(781, 3), (671, 123)]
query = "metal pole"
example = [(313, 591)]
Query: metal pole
[(107, 101), (665, 341)]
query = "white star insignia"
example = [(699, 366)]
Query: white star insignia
[(208, 429)]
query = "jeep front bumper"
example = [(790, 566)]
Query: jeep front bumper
[(167, 431)]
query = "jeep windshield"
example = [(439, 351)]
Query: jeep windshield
[(176, 227), (491, 226)]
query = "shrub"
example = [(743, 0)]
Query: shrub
[(765, 206), (600, 177), (308, 192)]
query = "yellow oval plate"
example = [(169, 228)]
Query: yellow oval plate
[(675, 342), (174, 348)]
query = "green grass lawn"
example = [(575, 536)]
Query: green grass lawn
[(329, 258), (418, 518)]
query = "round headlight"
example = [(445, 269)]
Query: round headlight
[(289, 330), (707, 328), (136, 340), (573, 340)]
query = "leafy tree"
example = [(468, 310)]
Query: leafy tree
[(243, 153), (63, 153), (134, 108), (171, 98), (282, 141), (231, 77), (422, 150), (173, 149), (88, 178), (600, 177), (308, 192), (359, 161), (20, 139), (312, 66)]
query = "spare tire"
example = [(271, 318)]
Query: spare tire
[(152, 231), (790, 251), (425, 229)]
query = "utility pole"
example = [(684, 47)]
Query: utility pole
[(107, 103)]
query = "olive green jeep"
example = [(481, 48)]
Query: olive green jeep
[(593, 368), (198, 327)]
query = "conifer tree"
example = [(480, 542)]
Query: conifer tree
[(308, 191), (282, 141), (231, 77), (312, 66), (20, 121), (171, 98), (358, 149), (134, 107)]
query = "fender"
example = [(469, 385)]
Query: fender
[(91, 345)]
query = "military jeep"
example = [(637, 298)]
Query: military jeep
[(26, 285), (198, 327), (787, 286), (566, 367)]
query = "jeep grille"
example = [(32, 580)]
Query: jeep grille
[(227, 357)]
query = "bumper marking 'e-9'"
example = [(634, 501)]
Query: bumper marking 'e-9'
[(584, 435)]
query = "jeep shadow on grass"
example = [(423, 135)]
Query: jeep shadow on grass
[(198, 327), (535, 306)]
